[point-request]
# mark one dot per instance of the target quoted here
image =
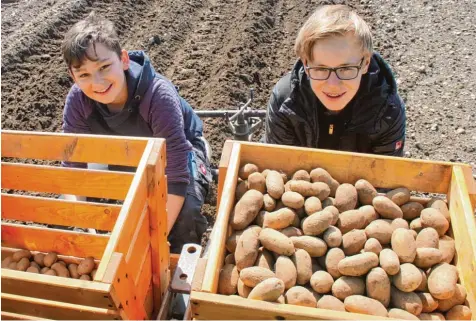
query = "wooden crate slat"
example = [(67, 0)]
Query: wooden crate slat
[(209, 306), (144, 278), (51, 240), (53, 288), (381, 171), (464, 231), (220, 229), (59, 212), (157, 199), (119, 275), (139, 245), (54, 309), (128, 216), (61, 180), (16, 316), (118, 150)]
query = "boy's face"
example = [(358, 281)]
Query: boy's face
[(103, 80), (334, 52)]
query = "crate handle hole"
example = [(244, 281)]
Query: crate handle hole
[(280, 318), (192, 249), (183, 276)]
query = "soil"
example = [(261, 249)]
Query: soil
[(216, 50)]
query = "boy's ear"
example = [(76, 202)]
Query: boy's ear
[(125, 59), (366, 64)]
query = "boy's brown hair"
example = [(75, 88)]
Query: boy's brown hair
[(85, 33), (330, 21)]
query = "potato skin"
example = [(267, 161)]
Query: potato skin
[(268, 290), (20, 254), (50, 259), (33, 269), (301, 296), (253, 275), (257, 182), (247, 247), (387, 208), (441, 206), (442, 281), (6, 261), (330, 302), (86, 266), (349, 220), (377, 285), (389, 261), (359, 264), (408, 278), (431, 316), (346, 197), (228, 280), (429, 303), (242, 289), (23, 264), (365, 191), (401, 314), (321, 282), (232, 240), (265, 259), (408, 301), (332, 259), (293, 200), (411, 210), (353, 242), (332, 236), (458, 298), (246, 209), (275, 184), (369, 213), (312, 205), (380, 230), (372, 245), (427, 257), (269, 203), (246, 170), (399, 196), (286, 271), (61, 270), (447, 247), (316, 223), (241, 189), (73, 270), (346, 286), (301, 175), (302, 261), (279, 219), (276, 242), (459, 312), (312, 245), (403, 243), (362, 304), (431, 217), (427, 237)]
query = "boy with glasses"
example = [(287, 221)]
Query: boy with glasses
[(340, 94)]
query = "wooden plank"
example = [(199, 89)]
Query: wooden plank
[(54, 309), (223, 167), (381, 171), (139, 245), (209, 306), (220, 229), (59, 212), (157, 201), (199, 273), (61, 180), (16, 316), (119, 275), (54, 288), (130, 213), (118, 150), (464, 231), (174, 258), (51, 240), (144, 279)]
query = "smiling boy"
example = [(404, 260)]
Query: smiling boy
[(340, 95), (116, 92)]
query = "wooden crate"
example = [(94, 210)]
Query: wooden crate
[(132, 262), (454, 180)]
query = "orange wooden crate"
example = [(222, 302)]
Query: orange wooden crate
[(133, 261), (454, 180)]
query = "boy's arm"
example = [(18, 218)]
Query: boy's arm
[(278, 129), (166, 121), (391, 138)]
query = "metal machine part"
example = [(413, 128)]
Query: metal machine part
[(242, 122)]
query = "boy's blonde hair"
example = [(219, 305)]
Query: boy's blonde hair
[(329, 21)]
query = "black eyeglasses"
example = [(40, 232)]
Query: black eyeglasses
[(343, 73)]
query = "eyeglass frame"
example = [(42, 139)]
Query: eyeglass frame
[(331, 70)]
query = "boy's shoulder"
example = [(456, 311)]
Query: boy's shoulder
[(77, 102)]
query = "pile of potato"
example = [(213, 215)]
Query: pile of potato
[(310, 241), (48, 264)]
